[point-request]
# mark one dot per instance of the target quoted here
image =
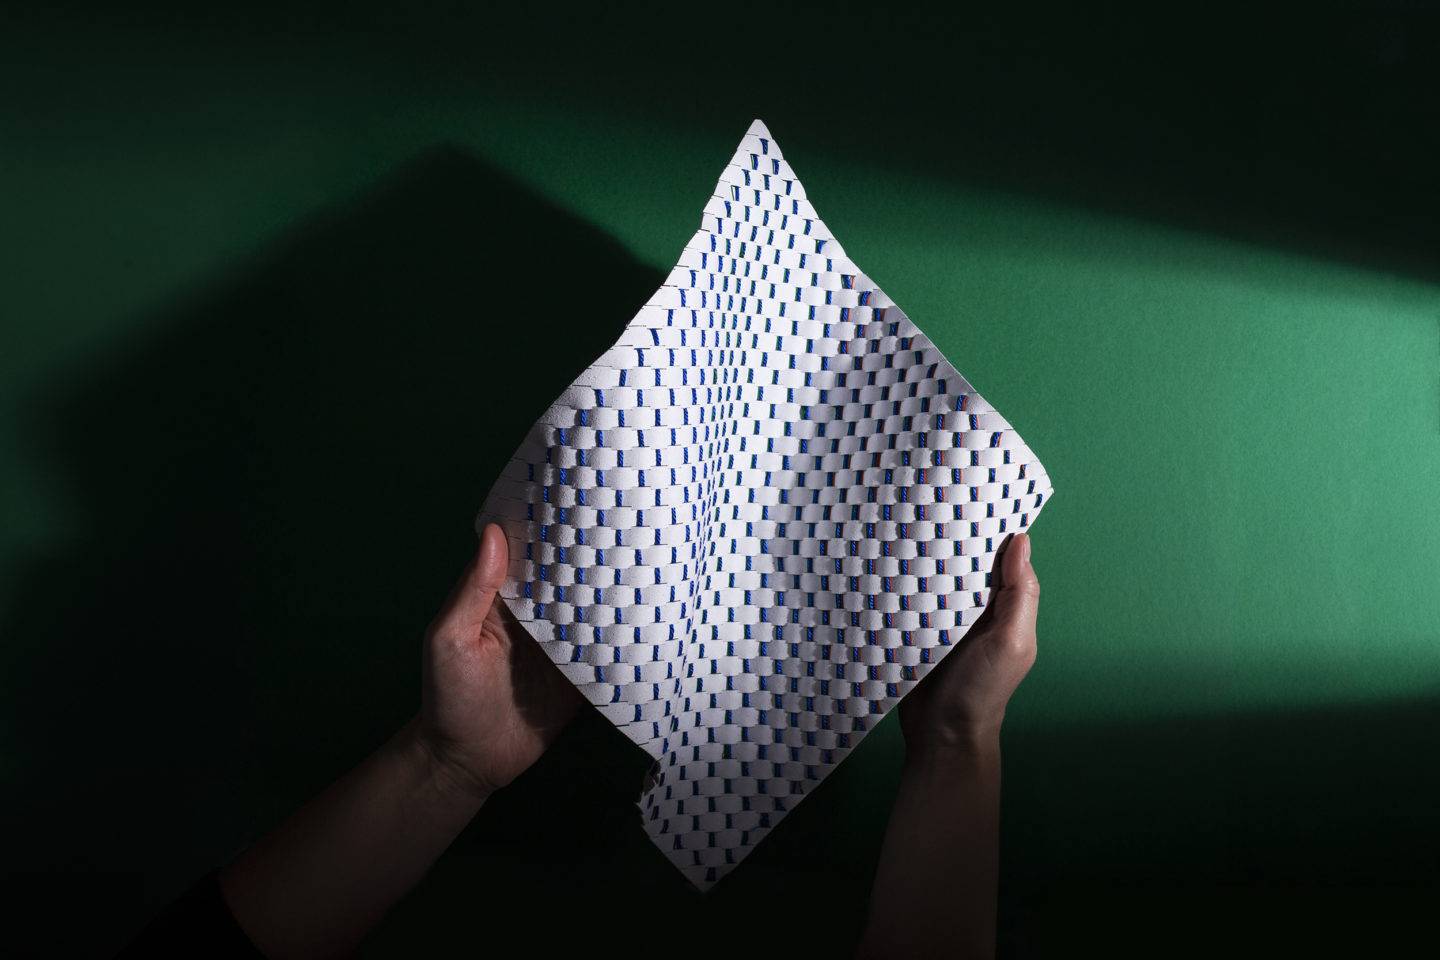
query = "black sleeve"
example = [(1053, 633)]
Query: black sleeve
[(199, 924)]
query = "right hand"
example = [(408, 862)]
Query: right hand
[(962, 701)]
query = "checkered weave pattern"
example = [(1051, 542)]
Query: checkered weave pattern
[(759, 519)]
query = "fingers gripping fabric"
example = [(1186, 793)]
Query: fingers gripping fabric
[(759, 519)]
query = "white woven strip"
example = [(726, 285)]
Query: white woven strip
[(758, 519)]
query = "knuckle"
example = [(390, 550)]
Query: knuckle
[(447, 642), (1018, 645)]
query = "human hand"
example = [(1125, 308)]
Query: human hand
[(492, 701), (962, 701), (935, 885)]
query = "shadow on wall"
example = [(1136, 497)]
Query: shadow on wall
[(1256, 833), (277, 492)]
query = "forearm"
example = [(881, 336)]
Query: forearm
[(317, 883), (935, 885)]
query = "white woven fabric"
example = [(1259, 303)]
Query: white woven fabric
[(759, 519)]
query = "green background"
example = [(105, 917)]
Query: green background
[(262, 278)]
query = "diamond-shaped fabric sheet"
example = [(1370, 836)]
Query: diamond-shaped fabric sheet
[(759, 519)]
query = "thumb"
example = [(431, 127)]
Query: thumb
[(1017, 596), (469, 603)]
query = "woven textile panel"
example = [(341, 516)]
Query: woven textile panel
[(759, 519)]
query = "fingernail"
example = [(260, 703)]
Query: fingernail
[(1024, 548)]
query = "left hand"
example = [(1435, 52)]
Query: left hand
[(492, 701)]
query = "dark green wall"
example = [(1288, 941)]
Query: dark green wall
[(262, 277)]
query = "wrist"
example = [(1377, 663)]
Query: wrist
[(955, 747), (446, 776)]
